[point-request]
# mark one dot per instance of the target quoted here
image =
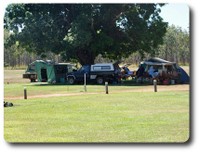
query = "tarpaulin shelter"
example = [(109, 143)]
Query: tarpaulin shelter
[(184, 76), (161, 65), (166, 69), (159, 62)]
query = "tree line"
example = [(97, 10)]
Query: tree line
[(176, 46)]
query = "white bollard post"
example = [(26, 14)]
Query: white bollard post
[(106, 87), (155, 85), (85, 75)]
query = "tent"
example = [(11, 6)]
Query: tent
[(184, 76), (45, 71)]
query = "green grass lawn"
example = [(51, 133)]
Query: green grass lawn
[(116, 117), (127, 114)]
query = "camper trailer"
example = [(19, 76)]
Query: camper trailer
[(47, 71)]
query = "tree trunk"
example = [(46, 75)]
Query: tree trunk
[(85, 57)]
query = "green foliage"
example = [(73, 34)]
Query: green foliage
[(12, 51), (83, 31), (176, 46)]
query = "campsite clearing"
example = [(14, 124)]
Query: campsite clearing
[(64, 113)]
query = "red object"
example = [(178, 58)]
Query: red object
[(165, 82)]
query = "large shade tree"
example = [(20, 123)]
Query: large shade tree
[(83, 31)]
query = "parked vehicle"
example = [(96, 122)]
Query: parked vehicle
[(30, 73), (98, 73), (48, 71)]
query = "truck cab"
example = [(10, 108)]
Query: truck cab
[(30, 73), (78, 76)]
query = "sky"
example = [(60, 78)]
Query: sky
[(176, 14)]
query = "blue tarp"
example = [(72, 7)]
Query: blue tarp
[(184, 76)]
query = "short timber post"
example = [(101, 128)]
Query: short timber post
[(25, 93), (155, 85), (106, 87)]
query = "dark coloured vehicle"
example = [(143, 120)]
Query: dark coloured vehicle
[(98, 73)]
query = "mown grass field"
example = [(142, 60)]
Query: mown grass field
[(67, 114)]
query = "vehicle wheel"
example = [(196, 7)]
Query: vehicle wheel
[(33, 80), (100, 80), (71, 80)]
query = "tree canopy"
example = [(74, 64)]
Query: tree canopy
[(83, 31)]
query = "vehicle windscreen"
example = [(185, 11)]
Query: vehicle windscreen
[(31, 68), (85, 68)]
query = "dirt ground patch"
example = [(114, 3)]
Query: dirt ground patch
[(184, 87), (141, 89), (14, 76)]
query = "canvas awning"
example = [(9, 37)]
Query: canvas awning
[(157, 61)]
